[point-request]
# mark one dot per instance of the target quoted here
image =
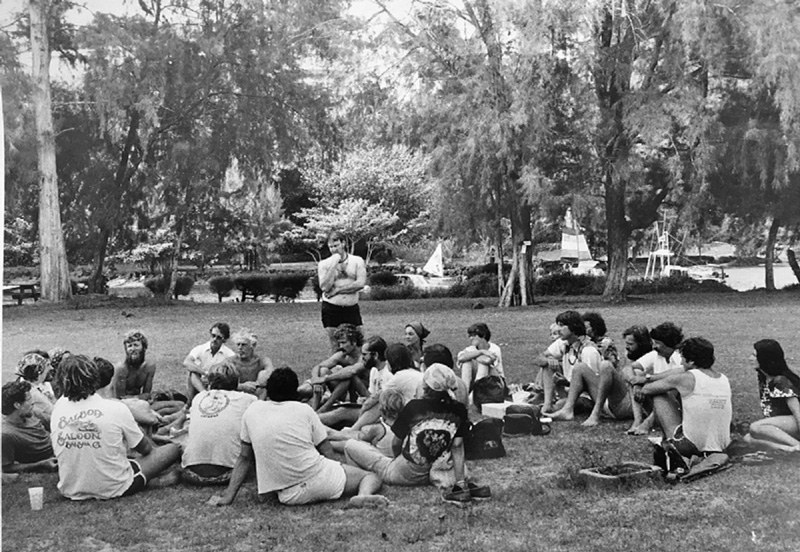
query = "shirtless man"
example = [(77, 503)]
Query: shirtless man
[(342, 371), (253, 369), (133, 377), (341, 277)]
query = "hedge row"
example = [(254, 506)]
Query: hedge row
[(281, 286), (159, 285)]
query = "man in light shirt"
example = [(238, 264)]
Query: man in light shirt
[(200, 359)]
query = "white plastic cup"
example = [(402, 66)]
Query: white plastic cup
[(36, 494)]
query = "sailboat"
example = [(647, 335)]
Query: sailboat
[(575, 249), (659, 261), (435, 268)]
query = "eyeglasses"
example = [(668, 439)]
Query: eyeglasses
[(217, 336)]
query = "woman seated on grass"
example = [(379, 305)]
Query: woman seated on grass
[(415, 335), (779, 389)]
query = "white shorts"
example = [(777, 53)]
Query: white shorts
[(327, 485)]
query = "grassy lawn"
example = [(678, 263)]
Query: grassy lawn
[(538, 503)]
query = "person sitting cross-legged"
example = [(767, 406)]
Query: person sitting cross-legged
[(425, 430), (253, 369), (698, 422), (26, 442), (292, 455), (341, 373), (201, 358), (213, 443), (91, 437)]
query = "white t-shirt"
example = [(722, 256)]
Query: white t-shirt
[(202, 358), (91, 440), (378, 379), (284, 436), (407, 382), (495, 369), (214, 430), (653, 362)]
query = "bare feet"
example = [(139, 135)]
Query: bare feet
[(591, 421), (369, 501), (562, 414)]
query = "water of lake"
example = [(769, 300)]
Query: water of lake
[(745, 278)]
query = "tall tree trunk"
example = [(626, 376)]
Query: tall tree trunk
[(499, 257), (55, 284), (793, 263), (772, 237), (618, 236), (507, 297)]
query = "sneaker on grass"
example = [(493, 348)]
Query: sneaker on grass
[(457, 495), (479, 492)]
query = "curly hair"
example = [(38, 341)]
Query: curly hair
[(573, 321), (641, 336), (77, 377), (376, 344), (246, 335), (392, 402), (597, 323), (135, 335), (13, 393), (349, 332), (667, 333)]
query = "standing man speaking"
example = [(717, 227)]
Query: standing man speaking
[(341, 277)]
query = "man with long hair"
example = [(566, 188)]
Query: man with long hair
[(133, 377), (91, 437)]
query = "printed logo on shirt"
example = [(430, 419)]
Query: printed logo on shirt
[(212, 404), (80, 432)]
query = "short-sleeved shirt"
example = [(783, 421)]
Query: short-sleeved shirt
[(407, 382), (25, 444), (214, 434), (428, 427), (773, 395), (495, 369), (656, 363), (378, 379), (202, 358), (284, 436), (91, 438)]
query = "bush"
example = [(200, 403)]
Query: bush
[(159, 285), (385, 293), (221, 285), (490, 268), (288, 285), (254, 285), (566, 283), (481, 285), (383, 278), (676, 283)]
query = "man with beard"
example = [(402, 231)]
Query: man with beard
[(133, 377), (26, 443)]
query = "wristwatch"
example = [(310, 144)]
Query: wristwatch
[(648, 377)]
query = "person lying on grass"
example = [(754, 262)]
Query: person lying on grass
[(662, 361), (341, 373), (778, 389), (26, 442), (201, 358), (698, 421), (426, 429), (379, 434), (213, 443), (91, 437), (605, 384), (482, 358), (292, 455)]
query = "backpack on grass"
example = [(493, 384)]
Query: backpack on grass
[(485, 440)]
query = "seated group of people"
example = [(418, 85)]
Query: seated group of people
[(371, 414)]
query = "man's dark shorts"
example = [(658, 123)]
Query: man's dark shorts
[(683, 444), (139, 480), (334, 316)]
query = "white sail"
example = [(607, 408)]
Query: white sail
[(435, 265), (573, 242)]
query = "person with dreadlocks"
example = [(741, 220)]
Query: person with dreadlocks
[(133, 377), (91, 437)]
